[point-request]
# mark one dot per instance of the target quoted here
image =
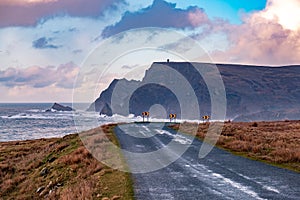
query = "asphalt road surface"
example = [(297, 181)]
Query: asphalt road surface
[(220, 175)]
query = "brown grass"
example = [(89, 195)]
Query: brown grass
[(71, 170), (274, 142)]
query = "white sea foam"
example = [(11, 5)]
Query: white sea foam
[(35, 110), (38, 116), (27, 116)]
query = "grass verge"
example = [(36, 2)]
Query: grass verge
[(59, 168)]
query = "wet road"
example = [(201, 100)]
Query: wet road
[(220, 175)]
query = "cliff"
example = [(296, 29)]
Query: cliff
[(252, 92)]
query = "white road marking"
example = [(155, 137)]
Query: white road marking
[(264, 186)]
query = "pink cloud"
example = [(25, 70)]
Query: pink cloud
[(197, 17), (262, 43), (29, 94), (286, 13), (62, 76), (28, 13), (262, 39)]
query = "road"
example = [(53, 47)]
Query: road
[(220, 175)]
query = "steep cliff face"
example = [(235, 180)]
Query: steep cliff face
[(103, 102), (118, 96), (252, 92)]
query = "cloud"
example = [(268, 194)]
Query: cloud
[(129, 66), (264, 37), (263, 43), (43, 43), (286, 13), (18, 49), (39, 77), (29, 94), (159, 14), (77, 51), (30, 12)]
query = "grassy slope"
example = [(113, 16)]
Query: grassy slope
[(277, 143), (71, 172)]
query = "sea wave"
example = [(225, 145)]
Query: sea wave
[(36, 116)]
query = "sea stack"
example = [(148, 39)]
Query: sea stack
[(59, 107)]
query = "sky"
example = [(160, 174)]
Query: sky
[(51, 48)]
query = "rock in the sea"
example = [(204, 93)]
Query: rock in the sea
[(58, 107)]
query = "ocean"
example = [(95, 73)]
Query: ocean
[(25, 121)]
